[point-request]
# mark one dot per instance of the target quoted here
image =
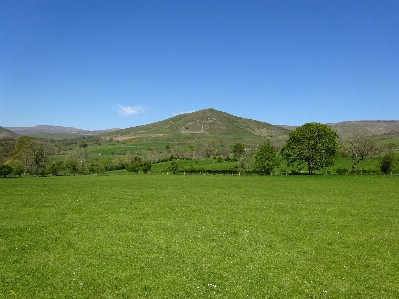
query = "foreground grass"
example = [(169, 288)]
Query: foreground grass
[(199, 237)]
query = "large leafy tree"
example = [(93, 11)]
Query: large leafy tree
[(266, 158), (314, 144)]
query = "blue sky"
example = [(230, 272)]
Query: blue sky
[(105, 64)]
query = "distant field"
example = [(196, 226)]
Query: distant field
[(121, 148), (199, 236), (110, 151)]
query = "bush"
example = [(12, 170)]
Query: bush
[(146, 166), (5, 170), (173, 166), (368, 170), (388, 162), (55, 168), (18, 169), (133, 167), (341, 171)]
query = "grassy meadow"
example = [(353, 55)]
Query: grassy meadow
[(199, 236)]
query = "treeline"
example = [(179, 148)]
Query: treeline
[(311, 147)]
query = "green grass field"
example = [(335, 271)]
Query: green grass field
[(175, 236)]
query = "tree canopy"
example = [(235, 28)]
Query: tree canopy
[(314, 144), (266, 158)]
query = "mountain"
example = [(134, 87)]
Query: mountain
[(56, 132), (207, 124), (7, 133)]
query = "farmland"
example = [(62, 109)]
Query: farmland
[(199, 236)]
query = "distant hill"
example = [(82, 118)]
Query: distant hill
[(376, 128), (56, 132), (207, 124), (7, 133)]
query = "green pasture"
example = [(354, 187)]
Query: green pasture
[(197, 164), (122, 148), (199, 236)]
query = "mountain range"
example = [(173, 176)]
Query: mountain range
[(205, 124), (56, 132)]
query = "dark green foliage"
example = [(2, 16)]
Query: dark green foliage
[(17, 169), (146, 166), (71, 166), (173, 166), (55, 168), (266, 158), (341, 170), (388, 162), (96, 167), (134, 165), (238, 150), (314, 144), (5, 170), (368, 170)]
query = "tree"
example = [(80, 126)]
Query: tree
[(173, 166), (238, 150), (205, 150), (55, 167), (358, 147), (266, 158), (146, 166), (388, 162), (314, 144), (96, 167), (33, 153), (17, 168), (5, 170), (7, 145), (245, 161), (135, 164), (75, 162)]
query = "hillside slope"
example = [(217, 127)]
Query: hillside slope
[(204, 124), (388, 128), (7, 133)]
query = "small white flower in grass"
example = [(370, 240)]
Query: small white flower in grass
[(211, 285)]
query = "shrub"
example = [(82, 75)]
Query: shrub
[(388, 162), (133, 167), (146, 166), (341, 170), (368, 170), (5, 170), (173, 166)]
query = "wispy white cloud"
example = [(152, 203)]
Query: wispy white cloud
[(189, 111), (129, 110)]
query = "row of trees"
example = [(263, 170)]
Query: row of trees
[(317, 146), (314, 145)]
